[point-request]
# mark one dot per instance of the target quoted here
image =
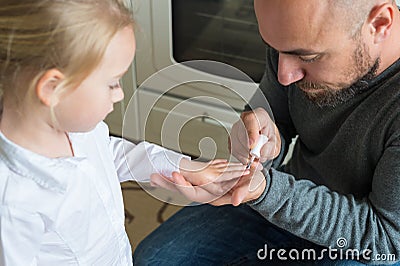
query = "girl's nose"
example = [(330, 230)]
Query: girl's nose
[(117, 95)]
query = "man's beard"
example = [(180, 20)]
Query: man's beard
[(324, 95)]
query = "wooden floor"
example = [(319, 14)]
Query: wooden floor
[(143, 212)]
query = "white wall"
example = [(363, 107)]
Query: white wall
[(398, 2)]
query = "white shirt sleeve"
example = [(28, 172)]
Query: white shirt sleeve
[(138, 162), (21, 234)]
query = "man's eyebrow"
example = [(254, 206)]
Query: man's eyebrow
[(298, 52)]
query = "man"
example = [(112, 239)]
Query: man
[(332, 78)]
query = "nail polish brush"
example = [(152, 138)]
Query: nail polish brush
[(256, 151)]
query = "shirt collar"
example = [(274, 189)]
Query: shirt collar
[(50, 173)]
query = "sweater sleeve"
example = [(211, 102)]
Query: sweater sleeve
[(369, 225)]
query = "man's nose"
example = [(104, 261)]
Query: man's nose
[(289, 70)]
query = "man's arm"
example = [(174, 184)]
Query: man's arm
[(319, 214), (323, 216)]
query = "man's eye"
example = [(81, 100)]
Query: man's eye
[(308, 58)]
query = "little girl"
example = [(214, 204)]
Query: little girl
[(60, 199)]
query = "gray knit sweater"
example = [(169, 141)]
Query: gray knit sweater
[(343, 180)]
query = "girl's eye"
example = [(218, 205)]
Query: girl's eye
[(115, 86)]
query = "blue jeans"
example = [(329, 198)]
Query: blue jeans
[(208, 235)]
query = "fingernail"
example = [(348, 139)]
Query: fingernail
[(235, 204)]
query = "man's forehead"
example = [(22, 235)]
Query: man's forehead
[(289, 27), (299, 12)]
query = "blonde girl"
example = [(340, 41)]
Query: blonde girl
[(60, 172)]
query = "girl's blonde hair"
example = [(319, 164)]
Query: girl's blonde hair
[(68, 35)]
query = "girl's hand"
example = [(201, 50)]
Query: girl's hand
[(202, 182), (220, 170), (234, 192), (201, 194)]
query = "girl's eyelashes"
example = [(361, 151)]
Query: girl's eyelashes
[(115, 86)]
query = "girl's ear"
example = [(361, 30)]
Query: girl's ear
[(45, 87)]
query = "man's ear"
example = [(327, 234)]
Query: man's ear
[(380, 21), (45, 87)]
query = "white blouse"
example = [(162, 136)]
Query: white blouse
[(69, 211)]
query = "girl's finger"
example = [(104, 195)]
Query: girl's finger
[(230, 174), (218, 162), (236, 165)]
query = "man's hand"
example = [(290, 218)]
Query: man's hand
[(249, 187), (245, 134)]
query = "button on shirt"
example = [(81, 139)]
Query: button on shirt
[(69, 211)]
